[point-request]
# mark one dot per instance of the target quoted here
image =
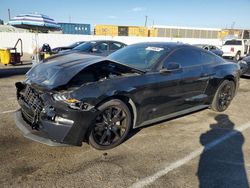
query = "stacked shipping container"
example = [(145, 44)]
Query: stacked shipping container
[(75, 28)]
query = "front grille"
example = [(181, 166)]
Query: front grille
[(32, 98), (33, 105), (27, 116)]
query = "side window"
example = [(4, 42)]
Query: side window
[(185, 57), (218, 59), (102, 47), (207, 58), (115, 46), (212, 48)]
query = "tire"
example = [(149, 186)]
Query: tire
[(111, 126), (223, 96), (237, 56)]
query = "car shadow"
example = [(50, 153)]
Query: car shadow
[(13, 71), (223, 165)]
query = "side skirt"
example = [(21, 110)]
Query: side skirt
[(169, 116)]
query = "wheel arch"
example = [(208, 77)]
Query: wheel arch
[(128, 101)]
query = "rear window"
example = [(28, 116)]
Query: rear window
[(233, 42)]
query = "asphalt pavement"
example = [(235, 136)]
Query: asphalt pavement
[(202, 149)]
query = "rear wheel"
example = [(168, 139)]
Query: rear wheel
[(223, 96), (111, 126)]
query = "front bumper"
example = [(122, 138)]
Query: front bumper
[(51, 122), (228, 54), (34, 135)]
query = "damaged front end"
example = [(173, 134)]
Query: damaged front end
[(54, 110), (43, 119)]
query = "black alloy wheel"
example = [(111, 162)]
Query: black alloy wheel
[(224, 96), (111, 126)]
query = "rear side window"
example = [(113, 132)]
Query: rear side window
[(185, 57), (102, 47), (219, 59), (207, 58), (233, 42), (115, 46)]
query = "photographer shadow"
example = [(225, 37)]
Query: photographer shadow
[(223, 165)]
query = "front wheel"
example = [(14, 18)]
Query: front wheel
[(111, 126), (223, 96)]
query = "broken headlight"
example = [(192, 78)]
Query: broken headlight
[(60, 96), (72, 103)]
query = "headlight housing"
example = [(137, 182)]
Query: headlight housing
[(65, 97), (72, 102), (60, 96)]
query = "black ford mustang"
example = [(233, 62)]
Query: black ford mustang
[(76, 98)]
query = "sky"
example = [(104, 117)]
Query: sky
[(190, 13)]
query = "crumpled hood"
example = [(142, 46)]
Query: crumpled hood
[(58, 71)]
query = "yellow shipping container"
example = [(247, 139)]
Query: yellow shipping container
[(153, 32), (106, 30), (113, 30), (137, 31)]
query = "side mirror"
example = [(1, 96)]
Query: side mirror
[(170, 67)]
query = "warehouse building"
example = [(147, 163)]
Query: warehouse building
[(187, 32)]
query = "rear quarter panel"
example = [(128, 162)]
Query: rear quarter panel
[(222, 71)]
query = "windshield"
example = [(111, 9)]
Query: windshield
[(140, 56), (85, 47), (233, 42)]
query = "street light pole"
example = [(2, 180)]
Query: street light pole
[(146, 20), (9, 14)]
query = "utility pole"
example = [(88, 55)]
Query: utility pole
[(146, 20), (9, 14)]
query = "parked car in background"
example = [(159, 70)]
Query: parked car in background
[(210, 48), (99, 47), (81, 97), (247, 69), (70, 47), (236, 48)]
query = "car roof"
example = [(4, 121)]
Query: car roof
[(203, 45), (170, 45), (104, 41)]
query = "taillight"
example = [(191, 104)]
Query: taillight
[(232, 49)]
